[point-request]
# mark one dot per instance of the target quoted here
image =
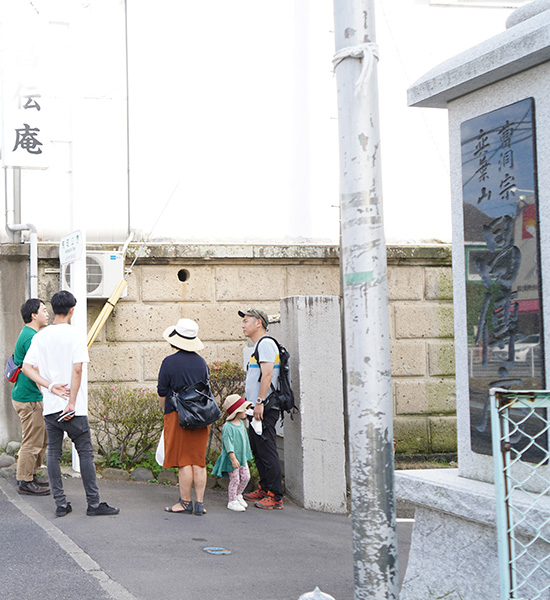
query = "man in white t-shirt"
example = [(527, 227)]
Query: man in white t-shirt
[(261, 375), (55, 361)]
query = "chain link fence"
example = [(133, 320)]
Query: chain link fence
[(520, 425)]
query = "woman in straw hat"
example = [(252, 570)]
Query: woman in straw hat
[(183, 448)]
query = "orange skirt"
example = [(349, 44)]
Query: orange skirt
[(183, 446)]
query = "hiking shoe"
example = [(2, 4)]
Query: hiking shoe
[(269, 502), (61, 511), (102, 509), (256, 495), (236, 506), (242, 501)]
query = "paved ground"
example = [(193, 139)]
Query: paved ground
[(147, 554)]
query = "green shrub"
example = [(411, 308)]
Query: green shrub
[(127, 423), (150, 462), (226, 378)]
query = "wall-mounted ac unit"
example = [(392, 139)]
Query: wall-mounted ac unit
[(104, 270)]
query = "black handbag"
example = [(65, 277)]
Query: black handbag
[(196, 406)]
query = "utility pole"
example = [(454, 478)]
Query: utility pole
[(365, 304)]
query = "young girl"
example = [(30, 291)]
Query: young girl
[(235, 452)]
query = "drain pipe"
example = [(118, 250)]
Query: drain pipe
[(33, 261), (11, 215), (127, 243)]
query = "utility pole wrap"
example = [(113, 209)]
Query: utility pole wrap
[(365, 304)]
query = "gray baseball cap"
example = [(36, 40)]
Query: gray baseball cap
[(259, 314)]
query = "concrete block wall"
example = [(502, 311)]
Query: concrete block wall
[(422, 350), (210, 283), (206, 283), (13, 275)]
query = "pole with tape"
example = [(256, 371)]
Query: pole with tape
[(365, 304)]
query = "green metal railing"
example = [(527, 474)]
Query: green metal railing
[(520, 424)]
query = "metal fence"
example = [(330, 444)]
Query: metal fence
[(519, 425)]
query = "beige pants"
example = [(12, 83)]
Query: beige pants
[(33, 444)]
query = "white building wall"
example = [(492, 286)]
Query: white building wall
[(82, 76), (233, 106)]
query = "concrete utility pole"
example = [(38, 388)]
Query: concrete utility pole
[(365, 310)]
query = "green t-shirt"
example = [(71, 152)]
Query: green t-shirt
[(24, 389)]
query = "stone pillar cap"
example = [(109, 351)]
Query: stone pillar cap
[(526, 12), (525, 44)]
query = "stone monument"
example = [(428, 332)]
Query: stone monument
[(497, 98)]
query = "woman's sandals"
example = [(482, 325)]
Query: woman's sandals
[(199, 509), (187, 506)]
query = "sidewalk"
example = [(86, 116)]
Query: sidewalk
[(148, 554)]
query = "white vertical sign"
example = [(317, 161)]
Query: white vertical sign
[(25, 140), (71, 247)]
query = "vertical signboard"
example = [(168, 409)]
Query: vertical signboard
[(71, 247), (24, 108), (503, 286)]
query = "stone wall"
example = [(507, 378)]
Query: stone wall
[(422, 352), (13, 275), (210, 283)]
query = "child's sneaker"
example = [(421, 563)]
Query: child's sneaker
[(236, 506), (269, 502), (256, 495), (242, 501)]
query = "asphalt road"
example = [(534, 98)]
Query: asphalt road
[(147, 554)]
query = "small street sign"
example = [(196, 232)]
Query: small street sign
[(71, 247)]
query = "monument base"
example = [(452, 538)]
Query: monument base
[(453, 552)]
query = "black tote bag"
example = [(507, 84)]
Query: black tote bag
[(196, 406)]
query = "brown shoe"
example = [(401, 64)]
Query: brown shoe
[(31, 489), (41, 481)]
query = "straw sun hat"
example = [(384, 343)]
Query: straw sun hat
[(184, 336)]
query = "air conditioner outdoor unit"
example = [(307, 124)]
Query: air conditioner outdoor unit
[(104, 270)]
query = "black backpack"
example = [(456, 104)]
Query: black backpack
[(282, 397)]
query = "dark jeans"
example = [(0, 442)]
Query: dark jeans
[(264, 448), (78, 429)]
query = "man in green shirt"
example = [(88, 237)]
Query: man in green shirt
[(27, 401)]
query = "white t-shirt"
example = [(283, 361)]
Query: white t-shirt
[(54, 350), (269, 353)]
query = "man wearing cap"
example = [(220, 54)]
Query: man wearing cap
[(260, 376)]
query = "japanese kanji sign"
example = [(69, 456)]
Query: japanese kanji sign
[(24, 109), (71, 247), (503, 288)]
